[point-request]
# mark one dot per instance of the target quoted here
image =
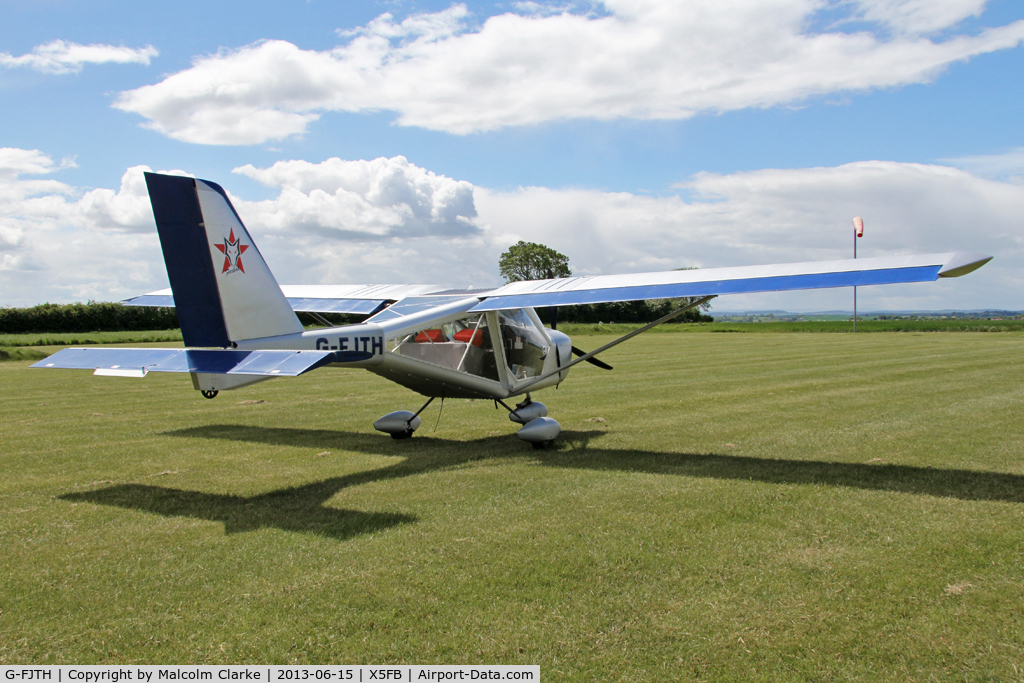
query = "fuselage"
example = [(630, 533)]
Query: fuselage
[(445, 351)]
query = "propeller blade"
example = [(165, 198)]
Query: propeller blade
[(593, 361)]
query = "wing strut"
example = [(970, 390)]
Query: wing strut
[(319, 318), (588, 356)]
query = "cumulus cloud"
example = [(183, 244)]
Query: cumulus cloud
[(1006, 166), (15, 162), (339, 221), (367, 221), (389, 221), (62, 57), (779, 216), (649, 59), (62, 243), (364, 199), (21, 200)]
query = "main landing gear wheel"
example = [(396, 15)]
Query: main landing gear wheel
[(399, 424), (540, 432), (209, 393), (538, 429)]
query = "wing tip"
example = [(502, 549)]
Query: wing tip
[(963, 263)]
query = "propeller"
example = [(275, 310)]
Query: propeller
[(593, 361)]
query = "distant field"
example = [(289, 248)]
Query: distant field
[(35, 346), (84, 338), (844, 326), (7, 354), (750, 507)]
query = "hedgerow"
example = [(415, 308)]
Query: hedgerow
[(88, 317)]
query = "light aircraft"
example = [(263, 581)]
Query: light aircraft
[(239, 326)]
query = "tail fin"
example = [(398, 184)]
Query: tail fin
[(223, 289)]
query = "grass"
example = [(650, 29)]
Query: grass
[(21, 354), (732, 507)]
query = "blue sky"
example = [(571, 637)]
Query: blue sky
[(414, 141)]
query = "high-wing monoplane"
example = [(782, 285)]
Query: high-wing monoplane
[(240, 327)]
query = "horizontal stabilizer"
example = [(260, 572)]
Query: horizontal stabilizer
[(156, 299), (137, 362)]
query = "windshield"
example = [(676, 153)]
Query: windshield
[(526, 346)]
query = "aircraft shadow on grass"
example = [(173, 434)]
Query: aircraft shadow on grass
[(303, 509), (298, 509)]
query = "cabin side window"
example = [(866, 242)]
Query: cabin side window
[(463, 345)]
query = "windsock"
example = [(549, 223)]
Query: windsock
[(858, 225)]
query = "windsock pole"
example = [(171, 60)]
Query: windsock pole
[(858, 231)]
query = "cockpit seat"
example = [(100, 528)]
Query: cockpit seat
[(435, 336), (474, 337)]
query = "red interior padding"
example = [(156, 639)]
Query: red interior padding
[(476, 338), (430, 336)]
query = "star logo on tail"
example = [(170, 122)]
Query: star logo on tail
[(232, 250)]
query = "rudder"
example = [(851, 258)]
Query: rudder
[(223, 289)]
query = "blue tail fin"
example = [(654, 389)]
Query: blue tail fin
[(223, 289)]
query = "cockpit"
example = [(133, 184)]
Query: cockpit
[(507, 346)]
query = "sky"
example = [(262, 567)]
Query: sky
[(414, 141)]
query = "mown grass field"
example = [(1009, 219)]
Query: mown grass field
[(720, 507)]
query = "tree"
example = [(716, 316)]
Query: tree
[(532, 261)]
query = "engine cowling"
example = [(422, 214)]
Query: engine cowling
[(563, 344)]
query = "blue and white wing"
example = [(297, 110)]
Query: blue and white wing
[(738, 280), (355, 299), (371, 299)]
